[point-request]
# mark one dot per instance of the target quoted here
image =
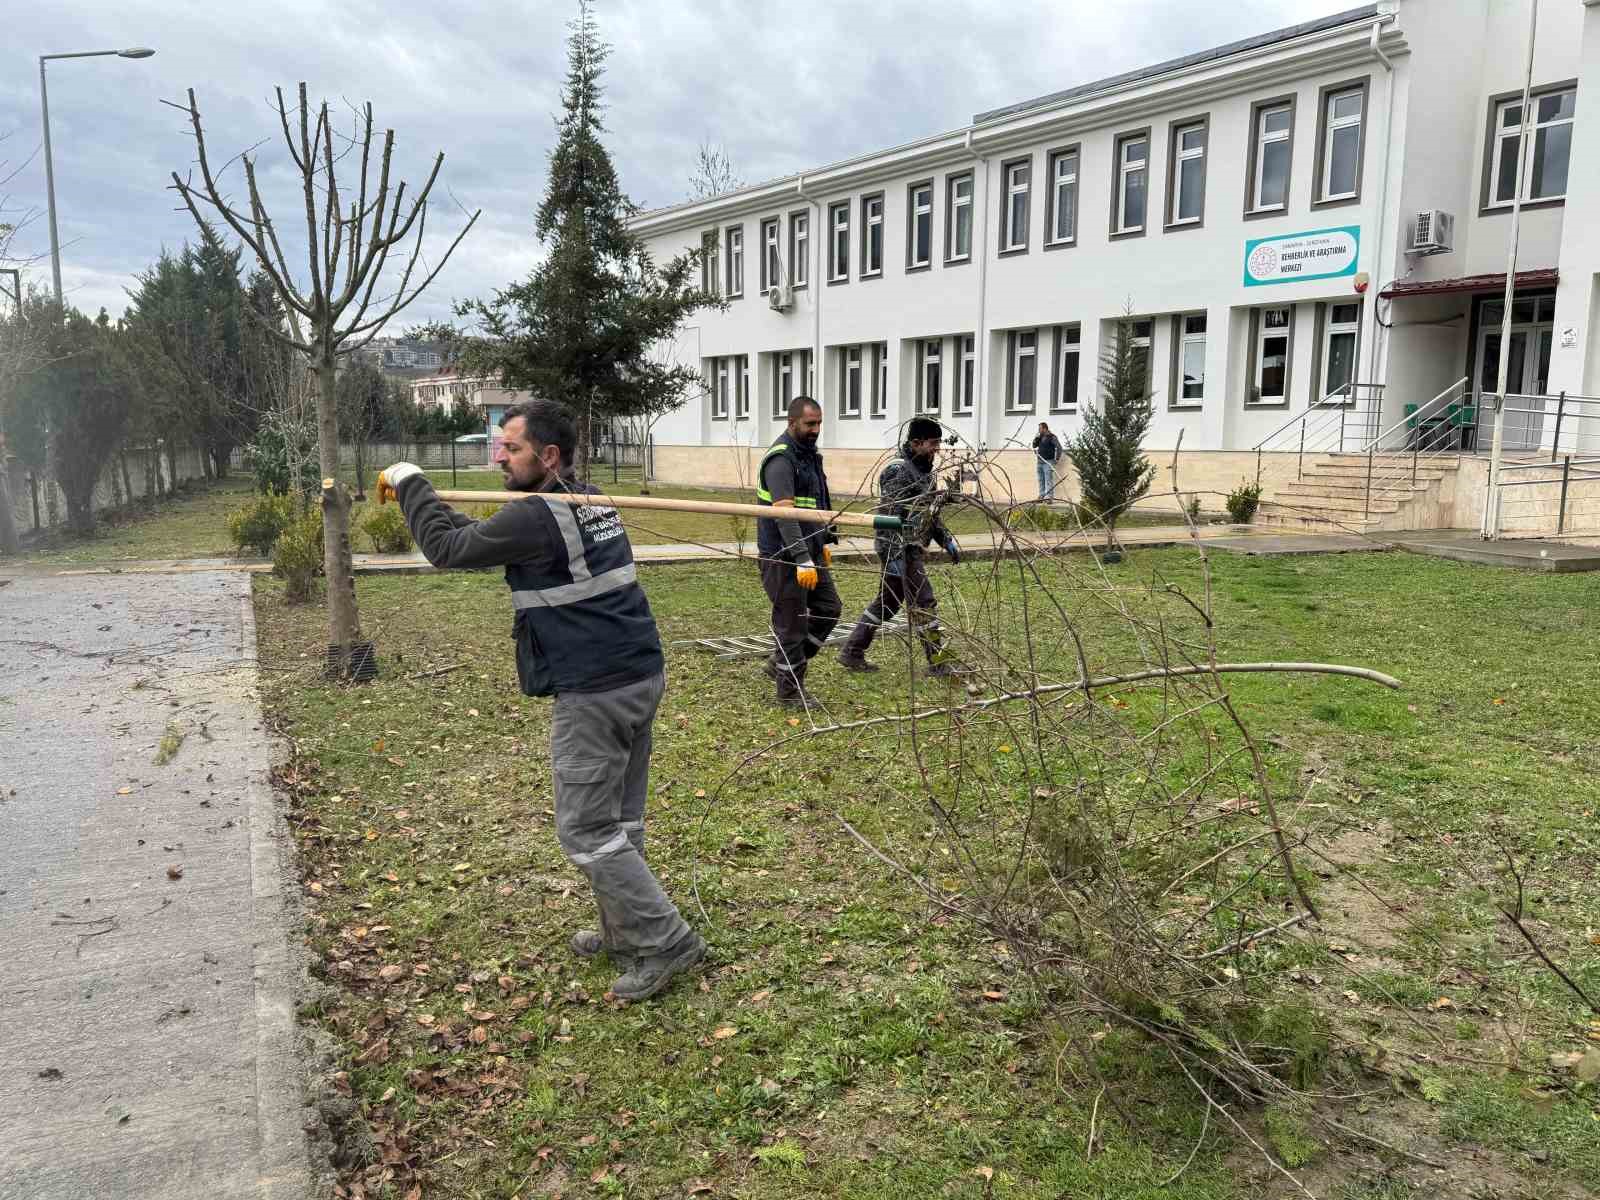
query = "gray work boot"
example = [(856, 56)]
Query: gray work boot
[(649, 975), (587, 943)]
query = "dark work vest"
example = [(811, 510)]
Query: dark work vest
[(583, 623), (810, 491)]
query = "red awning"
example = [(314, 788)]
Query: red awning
[(1544, 277)]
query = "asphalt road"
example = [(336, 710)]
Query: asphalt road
[(147, 1037)]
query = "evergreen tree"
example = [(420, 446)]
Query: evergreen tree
[(581, 328), (1112, 470)]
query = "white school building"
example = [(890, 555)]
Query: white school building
[(1309, 229)]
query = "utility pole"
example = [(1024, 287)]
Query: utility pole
[(9, 542)]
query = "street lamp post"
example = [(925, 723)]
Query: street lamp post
[(49, 164)]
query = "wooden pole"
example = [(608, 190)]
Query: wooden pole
[(810, 516)]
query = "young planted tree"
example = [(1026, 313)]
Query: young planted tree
[(581, 328), (1107, 452), (335, 305), (363, 399)]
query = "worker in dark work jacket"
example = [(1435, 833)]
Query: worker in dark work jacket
[(795, 557), (585, 635), (904, 489)]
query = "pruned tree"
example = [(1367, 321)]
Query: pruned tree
[(363, 397), (713, 173), (1107, 452), (334, 307)]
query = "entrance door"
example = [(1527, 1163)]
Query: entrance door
[(1527, 373)]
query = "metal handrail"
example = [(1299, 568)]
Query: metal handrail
[(1317, 420), (1567, 408), (1413, 423)]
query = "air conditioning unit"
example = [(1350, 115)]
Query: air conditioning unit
[(780, 298), (1433, 231)]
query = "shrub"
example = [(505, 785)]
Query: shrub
[(1193, 507), (1044, 517), (1243, 501), (385, 526), (258, 524), (297, 560), (283, 461)]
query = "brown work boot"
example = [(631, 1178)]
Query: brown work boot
[(854, 662)]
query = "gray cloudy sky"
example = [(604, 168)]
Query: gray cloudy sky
[(783, 87)]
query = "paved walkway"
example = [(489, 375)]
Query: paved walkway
[(1246, 538), (148, 1046), (1532, 554)]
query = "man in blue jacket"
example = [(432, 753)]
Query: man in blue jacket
[(585, 635)]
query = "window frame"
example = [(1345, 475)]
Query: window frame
[(720, 383), (1118, 172), (846, 413), (1325, 97), (780, 406), (1008, 244), (1252, 210), (965, 401), (1052, 193), (1252, 375), (1014, 357), (771, 253), (835, 274), (1173, 223), (799, 247), (1487, 204), (868, 224), (1181, 339), (741, 398), (711, 262), (878, 404), (930, 353), (951, 222), (912, 214), (735, 261), (1065, 347)]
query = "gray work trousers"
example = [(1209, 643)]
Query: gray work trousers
[(600, 753)]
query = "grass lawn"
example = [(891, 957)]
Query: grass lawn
[(190, 525), (849, 1040)]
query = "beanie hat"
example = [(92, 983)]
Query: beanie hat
[(923, 427)]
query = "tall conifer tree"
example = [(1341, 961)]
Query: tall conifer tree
[(1112, 470)]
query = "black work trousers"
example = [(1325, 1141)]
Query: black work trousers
[(908, 583), (801, 619)]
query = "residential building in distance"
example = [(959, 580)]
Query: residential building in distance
[(401, 356), (1309, 226)]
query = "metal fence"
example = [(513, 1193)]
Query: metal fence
[(1549, 477)]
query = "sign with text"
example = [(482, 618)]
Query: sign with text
[(1293, 257)]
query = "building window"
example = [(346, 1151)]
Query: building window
[(741, 410), (851, 383), (1065, 396), (783, 382), (799, 248), (880, 379), (958, 218), (1024, 370), (839, 242), (1132, 184), (1339, 144), (710, 271), (1186, 173), (1338, 350), (736, 261), (1014, 222), (1188, 385), (1545, 172), (967, 380), (771, 258), (1272, 346), (871, 236), (919, 226), (1270, 152), (928, 374), (718, 377), (1061, 222)]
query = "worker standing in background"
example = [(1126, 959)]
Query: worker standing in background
[(795, 563), (904, 490), (585, 635), (1046, 453)]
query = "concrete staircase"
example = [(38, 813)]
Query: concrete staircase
[(1332, 491)]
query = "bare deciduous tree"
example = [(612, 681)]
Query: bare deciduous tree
[(334, 311), (713, 173)]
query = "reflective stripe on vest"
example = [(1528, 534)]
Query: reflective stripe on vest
[(763, 494), (572, 593)]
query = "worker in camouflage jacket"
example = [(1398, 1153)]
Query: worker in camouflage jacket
[(905, 490)]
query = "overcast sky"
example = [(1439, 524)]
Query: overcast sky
[(782, 87)]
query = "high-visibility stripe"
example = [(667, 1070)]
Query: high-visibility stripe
[(567, 521), (618, 842), (572, 593)]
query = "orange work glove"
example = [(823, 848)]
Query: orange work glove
[(805, 574), (392, 477), (827, 556)]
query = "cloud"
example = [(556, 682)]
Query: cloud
[(783, 88)]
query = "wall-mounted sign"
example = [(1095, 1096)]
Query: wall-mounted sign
[(1294, 257)]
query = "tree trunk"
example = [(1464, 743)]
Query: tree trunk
[(361, 468), (116, 485), (127, 479), (172, 467), (80, 513), (344, 626), (9, 541)]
